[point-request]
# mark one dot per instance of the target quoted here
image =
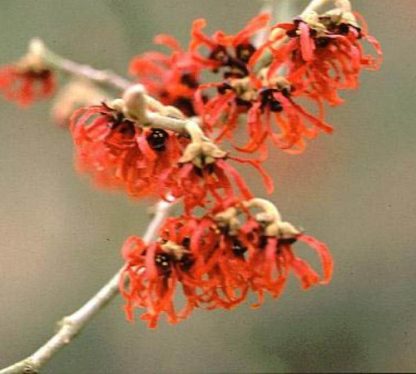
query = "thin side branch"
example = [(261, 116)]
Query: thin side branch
[(314, 5), (70, 326), (344, 5), (103, 77)]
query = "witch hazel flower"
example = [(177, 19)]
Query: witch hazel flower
[(191, 254), (228, 53), (324, 53), (272, 113), (202, 175), (218, 260), (117, 144), (154, 272), (267, 102), (171, 78), (29, 79), (117, 153), (270, 254)]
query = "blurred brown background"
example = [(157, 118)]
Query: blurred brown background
[(60, 238)]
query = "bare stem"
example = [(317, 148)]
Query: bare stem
[(344, 5), (53, 60), (147, 110), (314, 5), (70, 326), (103, 77)]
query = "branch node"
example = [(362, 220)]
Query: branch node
[(29, 367)]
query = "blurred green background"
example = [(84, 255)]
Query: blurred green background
[(355, 190)]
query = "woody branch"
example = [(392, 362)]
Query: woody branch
[(70, 326)]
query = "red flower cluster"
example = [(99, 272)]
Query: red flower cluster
[(120, 154), (323, 55), (217, 260), (175, 80), (271, 114), (229, 251), (25, 86), (308, 60), (268, 76)]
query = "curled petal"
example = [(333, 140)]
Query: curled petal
[(254, 25), (168, 41), (306, 42), (268, 181), (304, 272), (237, 178), (323, 252)]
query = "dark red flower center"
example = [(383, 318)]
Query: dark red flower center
[(235, 61), (157, 139), (189, 80), (267, 99), (208, 168), (120, 124), (185, 105), (163, 263), (44, 74), (186, 262), (238, 248), (244, 52), (287, 241)]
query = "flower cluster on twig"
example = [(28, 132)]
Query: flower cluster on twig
[(269, 82)]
